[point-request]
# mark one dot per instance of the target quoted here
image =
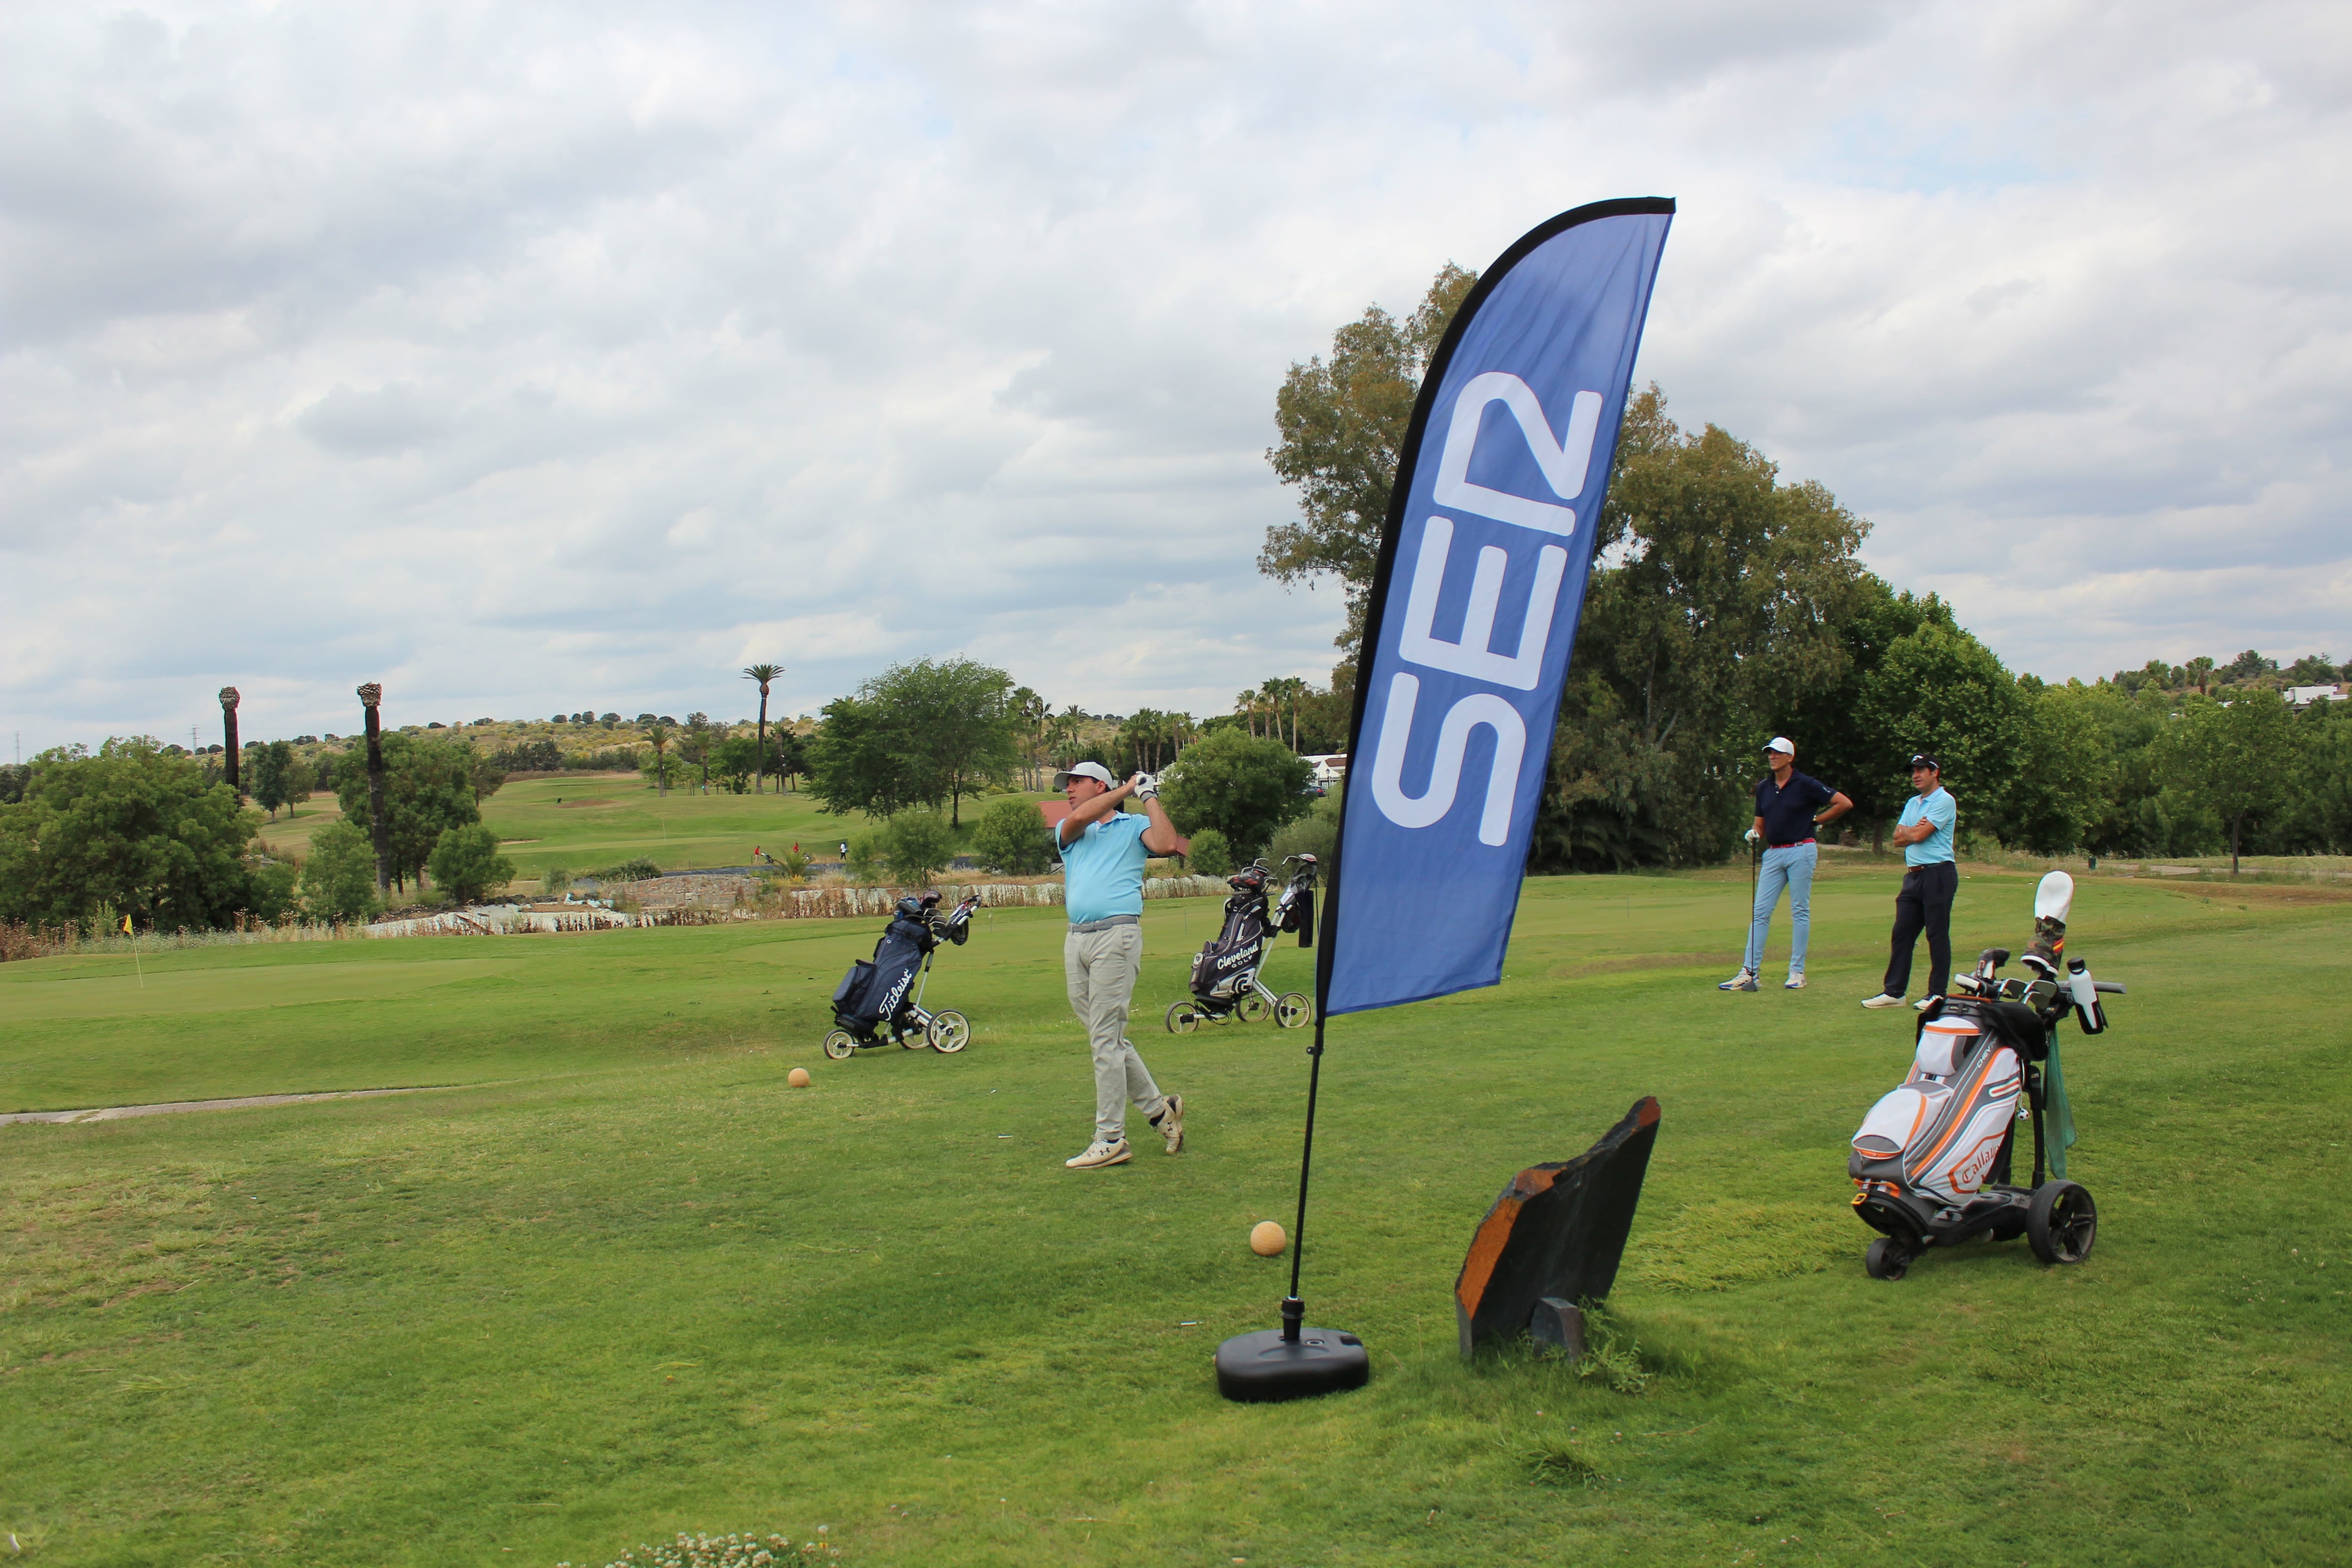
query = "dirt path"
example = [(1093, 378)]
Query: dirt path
[(114, 1112)]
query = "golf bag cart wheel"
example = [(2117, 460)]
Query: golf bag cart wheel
[(1254, 1009), (839, 1045), (1293, 1011), (1181, 1019), (2062, 1223), (949, 1032), (1886, 1259)]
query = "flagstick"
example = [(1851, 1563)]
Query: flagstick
[(140, 969)]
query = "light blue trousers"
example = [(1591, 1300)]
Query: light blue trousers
[(1791, 869)]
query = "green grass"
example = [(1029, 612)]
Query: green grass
[(588, 821), (621, 1281)]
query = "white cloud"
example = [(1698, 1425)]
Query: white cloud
[(526, 359)]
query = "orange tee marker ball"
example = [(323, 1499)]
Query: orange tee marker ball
[(798, 1078), (1267, 1239)]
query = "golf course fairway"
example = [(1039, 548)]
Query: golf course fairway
[(609, 1278)]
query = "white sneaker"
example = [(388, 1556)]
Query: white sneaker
[(1099, 1153), (1743, 980), (1796, 981), (1921, 1005), (1171, 1123), (1883, 1000)]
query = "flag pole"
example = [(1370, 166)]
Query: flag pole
[(1293, 1311)]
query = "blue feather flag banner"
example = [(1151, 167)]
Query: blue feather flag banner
[(1473, 607)]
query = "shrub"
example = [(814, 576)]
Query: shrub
[(339, 879), (637, 870), (862, 864), (1011, 837), (1316, 834), (1245, 786), (555, 882), (465, 863), (914, 844), (1212, 856)]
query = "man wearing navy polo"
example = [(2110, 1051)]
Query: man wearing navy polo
[(1103, 851), (1786, 801), (1930, 879)]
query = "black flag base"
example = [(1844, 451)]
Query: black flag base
[(1292, 1361)]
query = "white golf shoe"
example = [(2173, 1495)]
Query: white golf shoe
[(1099, 1153), (1170, 1125), (1882, 1000), (1796, 981)]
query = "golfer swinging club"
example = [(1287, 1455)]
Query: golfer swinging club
[(1103, 850)]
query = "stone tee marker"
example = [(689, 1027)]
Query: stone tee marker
[(1554, 1239)]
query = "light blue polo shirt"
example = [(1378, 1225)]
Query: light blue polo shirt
[(1102, 868), (1938, 807)]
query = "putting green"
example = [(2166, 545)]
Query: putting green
[(130, 995)]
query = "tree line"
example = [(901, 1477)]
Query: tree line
[(1727, 605)]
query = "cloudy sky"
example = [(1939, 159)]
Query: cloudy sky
[(530, 358)]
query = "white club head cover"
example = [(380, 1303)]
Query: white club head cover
[(2054, 899)]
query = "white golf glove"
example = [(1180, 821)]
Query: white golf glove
[(1146, 787), (1752, 835)]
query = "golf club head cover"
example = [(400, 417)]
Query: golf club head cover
[(2087, 1011), (2054, 899)]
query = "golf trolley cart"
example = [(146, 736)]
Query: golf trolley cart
[(872, 1008), (1931, 1162), (1225, 974)]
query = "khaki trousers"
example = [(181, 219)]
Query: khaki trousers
[(1100, 967)]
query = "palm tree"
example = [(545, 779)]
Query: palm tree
[(659, 736), (1282, 689), (763, 674), (1246, 703)]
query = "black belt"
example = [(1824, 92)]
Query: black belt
[(1790, 844)]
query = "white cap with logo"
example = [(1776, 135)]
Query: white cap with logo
[(1095, 771), (1779, 744)]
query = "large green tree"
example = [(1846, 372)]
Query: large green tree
[(1716, 608), (918, 734), (1340, 424), (429, 787), (135, 830), (2233, 757)]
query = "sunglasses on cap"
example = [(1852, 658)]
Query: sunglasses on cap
[(1925, 761)]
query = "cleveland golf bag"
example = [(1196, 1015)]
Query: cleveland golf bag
[(1225, 974), (1931, 1162), (880, 1001)]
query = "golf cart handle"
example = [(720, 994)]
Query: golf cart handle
[(2112, 987)]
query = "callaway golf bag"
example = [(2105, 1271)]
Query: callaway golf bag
[(1931, 1163), (880, 1000), (1225, 974)]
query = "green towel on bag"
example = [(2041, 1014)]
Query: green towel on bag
[(2058, 1117)]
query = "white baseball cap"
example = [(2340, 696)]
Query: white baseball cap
[(1084, 770), (1779, 744)]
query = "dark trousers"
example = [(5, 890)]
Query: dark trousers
[(1924, 903)]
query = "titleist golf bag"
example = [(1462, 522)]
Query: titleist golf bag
[(880, 1001), (1225, 974), (1931, 1162)]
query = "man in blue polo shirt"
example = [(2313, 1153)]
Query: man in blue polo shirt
[(1930, 879), (1786, 802), (1103, 850)]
